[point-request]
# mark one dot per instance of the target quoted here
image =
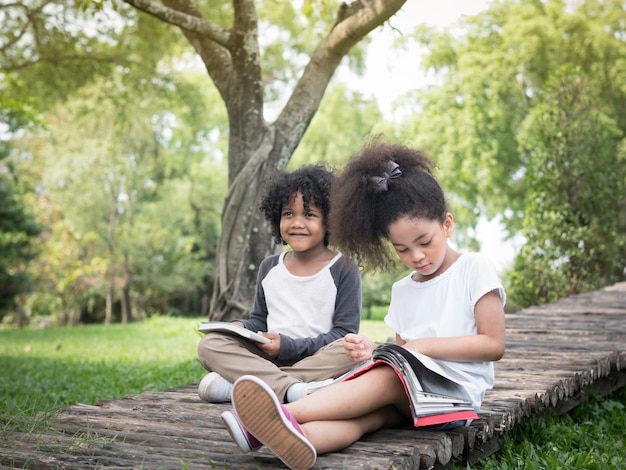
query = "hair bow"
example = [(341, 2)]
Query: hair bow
[(392, 171)]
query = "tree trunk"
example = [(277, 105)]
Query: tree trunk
[(108, 312), (125, 302), (127, 312), (232, 59), (245, 239)]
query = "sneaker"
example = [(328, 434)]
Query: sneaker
[(268, 420), (214, 388), (246, 441), (302, 389)]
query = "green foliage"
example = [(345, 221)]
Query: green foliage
[(18, 231), (126, 173), (494, 78), (575, 177), (376, 288), (44, 61), (590, 437), (131, 196), (18, 227), (359, 117), (289, 33)]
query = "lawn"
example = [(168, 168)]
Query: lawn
[(44, 369)]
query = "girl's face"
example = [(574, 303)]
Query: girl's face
[(422, 245), (302, 229)]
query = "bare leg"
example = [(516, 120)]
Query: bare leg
[(338, 415), (331, 436), (354, 398)]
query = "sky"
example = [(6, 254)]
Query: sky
[(389, 76)]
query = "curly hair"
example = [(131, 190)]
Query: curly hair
[(366, 200), (313, 181)]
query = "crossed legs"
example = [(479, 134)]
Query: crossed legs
[(334, 417)]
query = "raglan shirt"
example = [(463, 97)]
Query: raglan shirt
[(444, 307), (308, 312)]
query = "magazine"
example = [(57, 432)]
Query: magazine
[(433, 398), (226, 327)]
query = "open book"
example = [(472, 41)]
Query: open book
[(226, 327), (434, 399)]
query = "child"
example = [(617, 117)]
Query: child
[(307, 300), (450, 308)]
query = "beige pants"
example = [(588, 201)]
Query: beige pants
[(232, 357)]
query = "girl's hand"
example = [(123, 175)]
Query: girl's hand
[(271, 349), (358, 347)]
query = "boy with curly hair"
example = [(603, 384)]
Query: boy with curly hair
[(307, 299)]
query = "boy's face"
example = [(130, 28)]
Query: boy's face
[(302, 229)]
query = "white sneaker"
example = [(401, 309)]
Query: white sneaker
[(302, 389), (214, 388), (242, 437)]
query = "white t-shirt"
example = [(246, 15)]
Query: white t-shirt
[(444, 307), (309, 310)]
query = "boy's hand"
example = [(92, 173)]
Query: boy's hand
[(358, 347), (271, 349)]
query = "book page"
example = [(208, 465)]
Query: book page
[(227, 327)]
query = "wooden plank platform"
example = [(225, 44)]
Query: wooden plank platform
[(557, 355)]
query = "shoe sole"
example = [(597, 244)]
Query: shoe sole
[(260, 412)]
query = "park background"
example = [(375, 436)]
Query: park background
[(115, 162), (117, 149)]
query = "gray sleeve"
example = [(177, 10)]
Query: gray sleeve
[(346, 319), (258, 314)]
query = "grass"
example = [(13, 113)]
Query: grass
[(43, 369), (590, 437), (47, 369)]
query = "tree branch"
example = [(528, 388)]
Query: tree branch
[(29, 14), (352, 24), (212, 43), (61, 60), (183, 14)]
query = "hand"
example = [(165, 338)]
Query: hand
[(271, 349), (358, 347)]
